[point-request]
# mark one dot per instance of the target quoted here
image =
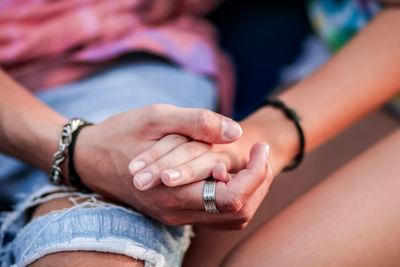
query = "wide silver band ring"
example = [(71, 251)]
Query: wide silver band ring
[(209, 197)]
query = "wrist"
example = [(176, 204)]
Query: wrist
[(270, 125), (35, 142), (64, 156), (85, 158)]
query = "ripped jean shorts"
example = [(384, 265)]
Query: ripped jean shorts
[(91, 224)]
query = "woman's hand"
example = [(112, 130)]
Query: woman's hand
[(175, 160)]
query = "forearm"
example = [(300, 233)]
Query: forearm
[(29, 130), (358, 79)]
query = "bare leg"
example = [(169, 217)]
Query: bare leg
[(79, 258), (350, 219), (87, 259)]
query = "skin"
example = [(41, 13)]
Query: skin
[(335, 104), (374, 82), (29, 130), (350, 219), (340, 103), (256, 167), (86, 258)]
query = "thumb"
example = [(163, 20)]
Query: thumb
[(199, 124)]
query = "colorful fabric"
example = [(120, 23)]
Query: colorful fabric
[(336, 21), (48, 43)]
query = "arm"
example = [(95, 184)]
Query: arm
[(360, 78), (29, 129)]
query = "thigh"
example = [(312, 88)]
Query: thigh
[(87, 259), (211, 246), (350, 219)]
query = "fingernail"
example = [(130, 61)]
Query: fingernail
[(267, 152), (136, 166), (231, 130), (170, 175), (142, 180), (270, 173)]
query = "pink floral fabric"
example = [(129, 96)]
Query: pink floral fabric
[(44, 43)]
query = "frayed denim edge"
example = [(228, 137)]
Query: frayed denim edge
[(129, 248), (8, 218), (45, 194), (151, 258)]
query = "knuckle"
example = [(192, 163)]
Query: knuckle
[(192, 149), (204, 121), (188, 171), (153, 108), (160, 166), (151, 155), (244, 215), (232, 203), (152, 121), (158, 108)]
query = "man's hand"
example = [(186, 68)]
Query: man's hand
[(103, 152)]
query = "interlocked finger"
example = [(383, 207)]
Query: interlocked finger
[(194, 170), (150, 176), (156, 151)]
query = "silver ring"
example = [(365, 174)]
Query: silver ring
[(209, 197)]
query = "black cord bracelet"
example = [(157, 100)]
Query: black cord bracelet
[(74, 178), (291, 115)]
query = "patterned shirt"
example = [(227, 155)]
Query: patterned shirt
[(337, 21), (45, 43)]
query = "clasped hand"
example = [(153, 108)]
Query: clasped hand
[(170, 151)]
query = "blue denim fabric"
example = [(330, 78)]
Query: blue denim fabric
[(102, 227)]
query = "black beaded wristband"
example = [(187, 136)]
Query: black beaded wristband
[(291, 115), (73, 177)]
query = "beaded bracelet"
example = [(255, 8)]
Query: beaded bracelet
[(291, 115)]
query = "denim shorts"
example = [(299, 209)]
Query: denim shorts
[(91, 224)]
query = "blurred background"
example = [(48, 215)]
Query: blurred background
[(262, 37)]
